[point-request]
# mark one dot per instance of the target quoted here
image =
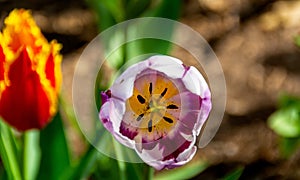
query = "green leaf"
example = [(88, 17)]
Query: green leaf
[(297, 40), (119, 56), (67, 111), (286, 122), (185, 172), (32, 154), (106, 168), (85, 165), (288, 146), (112, 12), (9, 152), (3, 173), (105, 18), (150, 173), (288, 101), (95, 165), (235, 175), (147, 46), (135, 8), (115, 7), (139, 171), (165, 9), (55, 153)]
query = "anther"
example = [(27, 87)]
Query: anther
[(169, 120), (150, 125), (150, 88), (140, 117), (164, 92), (172, 106), (141, 99)]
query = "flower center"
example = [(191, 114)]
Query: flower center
[(154, 106)]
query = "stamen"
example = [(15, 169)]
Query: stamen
[(150, 88), (150, 104), (140, 117), (164, 92), (150, 125), (141, 99), (172, 106), (169, 120)]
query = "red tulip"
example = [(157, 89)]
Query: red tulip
[(30, 74)]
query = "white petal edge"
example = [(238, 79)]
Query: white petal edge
[(154, 156), (168, 65), (195, 82), (122, 88), (206, 107), (113, 110), (183, 158)]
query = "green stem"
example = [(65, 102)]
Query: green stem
[(8, 152), (150, 173), (121, 164), (32, 154)]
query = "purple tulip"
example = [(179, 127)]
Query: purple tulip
[(157, 107)]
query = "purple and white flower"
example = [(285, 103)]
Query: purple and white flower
[(157, 107)]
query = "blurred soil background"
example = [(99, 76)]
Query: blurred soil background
[(254, 41)]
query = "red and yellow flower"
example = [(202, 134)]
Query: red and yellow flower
[(30, 74)]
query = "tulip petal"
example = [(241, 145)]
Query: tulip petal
[(2, 58), (126, 80), (169, 152), (111, 117), (52, 66), (160, 164), (49, 70), (171, 66), (24, 104), (195, 82), (189, 108)]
